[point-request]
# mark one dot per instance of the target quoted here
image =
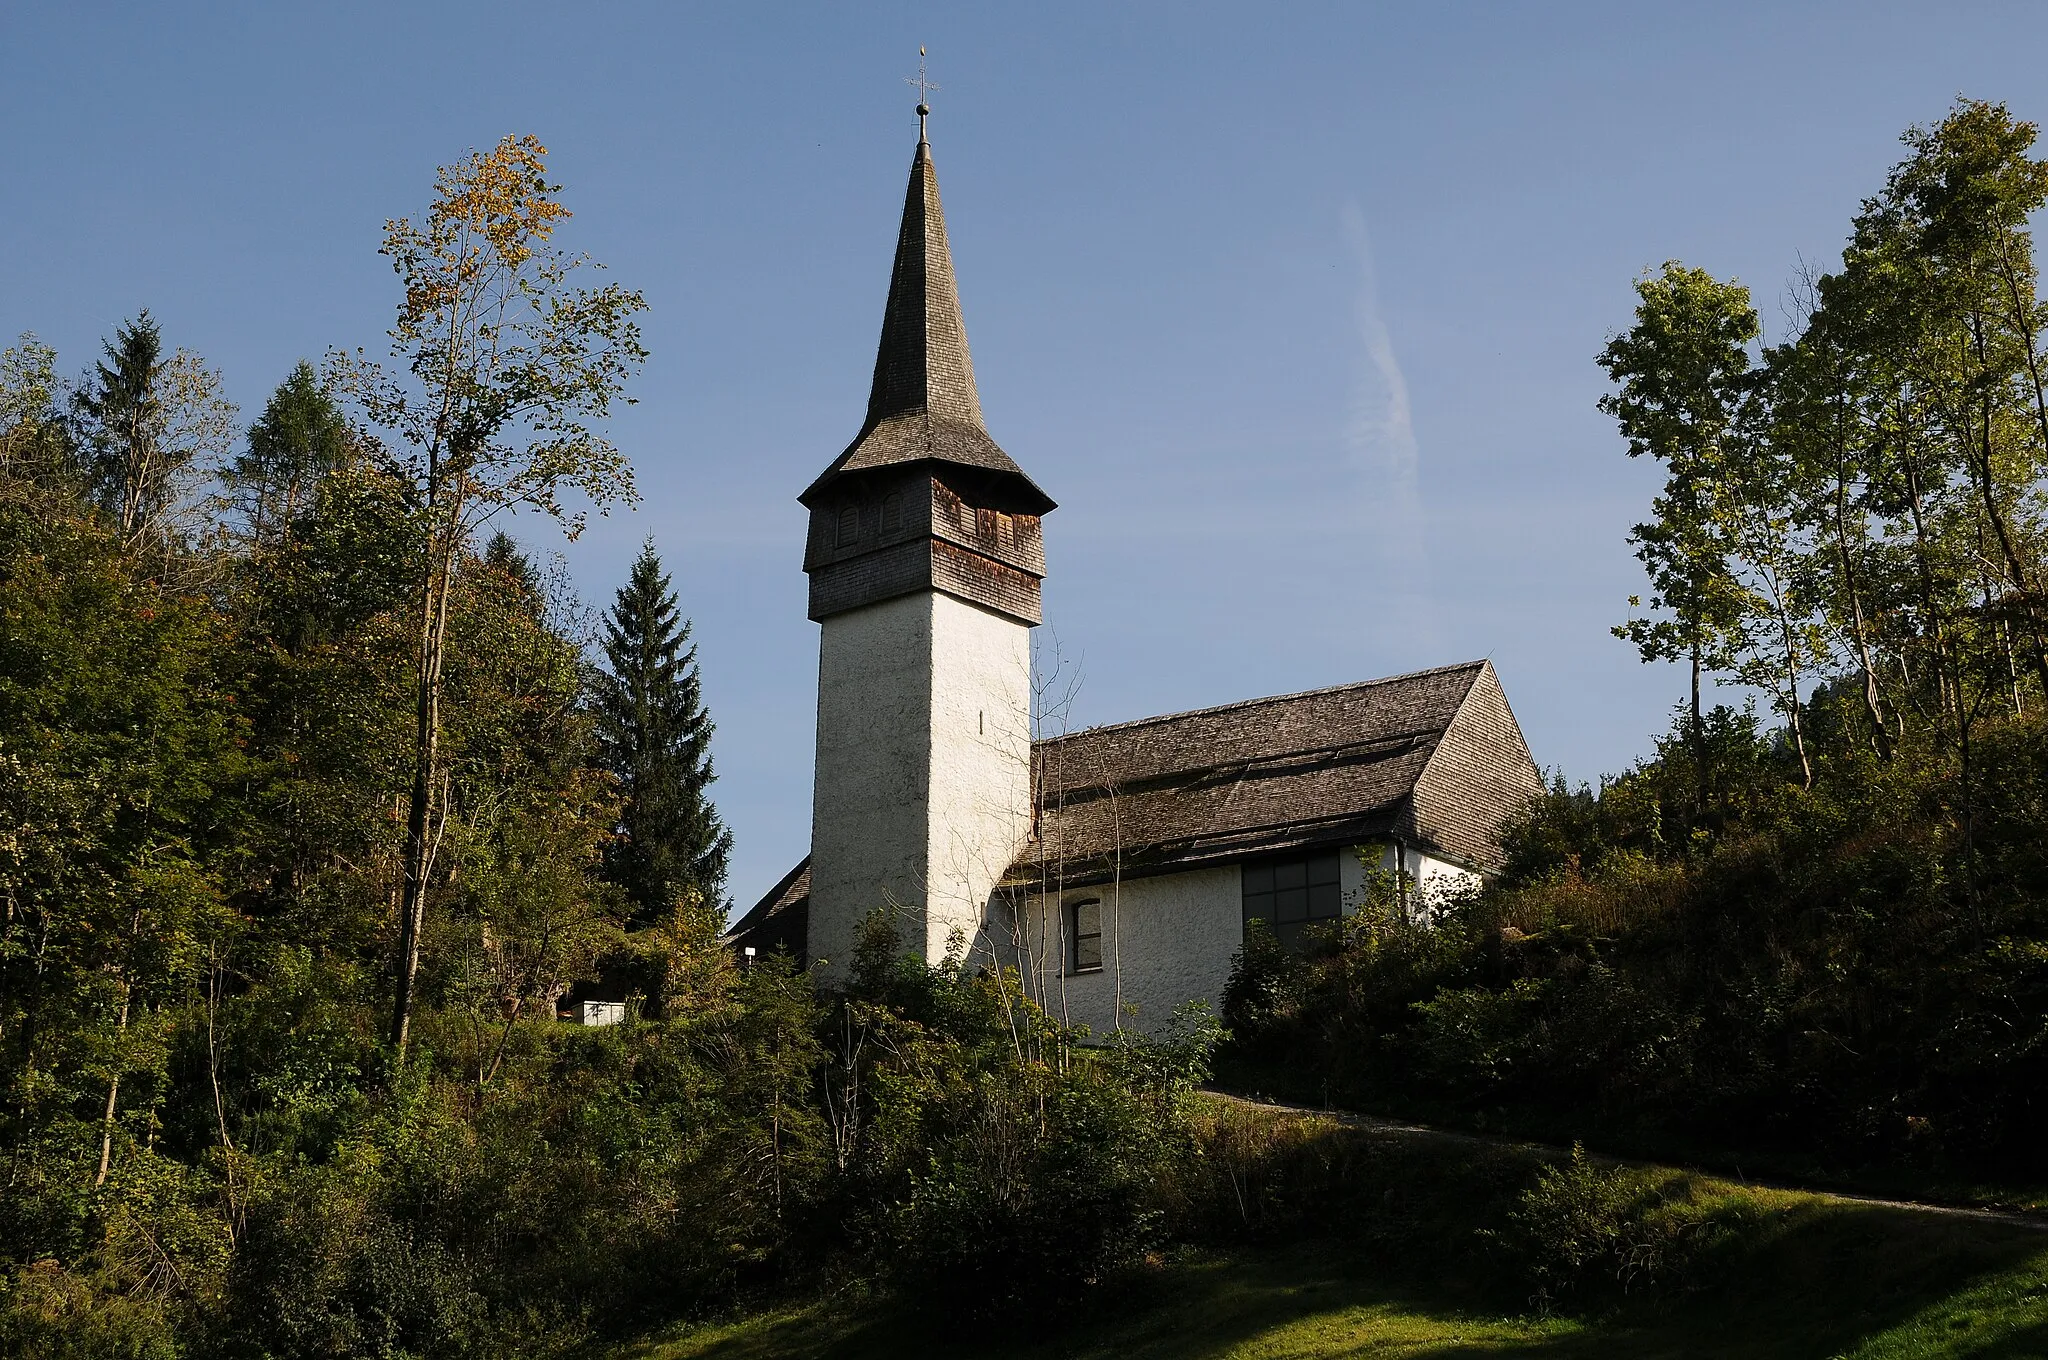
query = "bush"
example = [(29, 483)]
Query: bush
[(986, 1154), (1851, 974), (1581, 1230)]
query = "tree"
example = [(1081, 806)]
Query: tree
[(1683, 371), (35, 445), (502, 366), (300, 438), (1964, 198), (655, 737), (151, 424)]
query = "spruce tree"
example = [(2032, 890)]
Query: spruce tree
[(123, 409), (153, 426), (654, 734), (301, 437)]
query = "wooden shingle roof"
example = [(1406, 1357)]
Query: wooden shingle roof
[(1390, 757), (1435, 758), (924, 406)]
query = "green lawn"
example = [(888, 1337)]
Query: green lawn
[(1817, 1278)]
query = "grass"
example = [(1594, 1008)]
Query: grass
[(1797, 1275), (1649, 1143)]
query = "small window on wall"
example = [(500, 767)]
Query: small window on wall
[(892, 513), (1290, 895), (1084, 928), (849, 526)]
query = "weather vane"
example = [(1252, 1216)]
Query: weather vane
[(924, 89)]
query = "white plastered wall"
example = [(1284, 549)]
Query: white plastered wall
[(1170, 939), (980, 773), (1165, 941), (1430, 879), (922, 791)]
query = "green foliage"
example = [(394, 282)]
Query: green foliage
[(983, 1153), (37, 444), (1255, 991), (1583, 1229), (1851, 973)]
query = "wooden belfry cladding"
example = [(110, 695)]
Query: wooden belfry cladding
[(878, 535), (923, 498)]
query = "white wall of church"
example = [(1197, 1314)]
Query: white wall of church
[(870, 790), (1430, 879), (1170, 939), (980, 771), (1165, 941), (922, 791)]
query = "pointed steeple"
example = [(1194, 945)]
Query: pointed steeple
[(922, 363), (923, 406)]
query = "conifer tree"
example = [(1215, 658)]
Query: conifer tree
[(300, 438), (504, 558), (152, 423), (655, 736)]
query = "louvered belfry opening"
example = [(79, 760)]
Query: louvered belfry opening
[(923, 498)]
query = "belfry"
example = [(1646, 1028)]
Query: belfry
[(925, 557)]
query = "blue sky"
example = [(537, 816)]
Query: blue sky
[(1294, 309)]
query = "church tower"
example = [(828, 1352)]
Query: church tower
[(925, 558)]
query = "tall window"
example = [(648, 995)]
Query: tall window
[(1292, 894), (849, 525), (1084, 928)]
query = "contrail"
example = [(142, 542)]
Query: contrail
[(1380, 432)]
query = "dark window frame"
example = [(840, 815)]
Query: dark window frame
[(847, 532), (1293, 893), (1077, 954)]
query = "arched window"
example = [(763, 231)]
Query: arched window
[(892, 513), (849, 525), (1084, 930)]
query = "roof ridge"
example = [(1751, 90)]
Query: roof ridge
[(1268, 699)]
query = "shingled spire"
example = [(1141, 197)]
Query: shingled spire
[(923, 363), (923, 499), (923, 404)]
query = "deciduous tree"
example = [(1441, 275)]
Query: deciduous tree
[(502, 367)]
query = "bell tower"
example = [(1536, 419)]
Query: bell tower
[(925, 557)]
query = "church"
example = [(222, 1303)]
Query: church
[(1115, 868)]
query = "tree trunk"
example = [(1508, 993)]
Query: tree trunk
[(1699, 735), (1792, 691), (113, 1097), (426, 753), (1980, 464), (1873, 699), (1946, 685)]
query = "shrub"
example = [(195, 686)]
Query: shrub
[(1581, 1229)]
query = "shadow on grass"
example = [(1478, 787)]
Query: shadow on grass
[(1803, 1278)]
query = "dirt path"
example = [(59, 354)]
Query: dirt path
[(1350, 1119)]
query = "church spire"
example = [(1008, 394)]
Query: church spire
[(923, 404), (922, 363)]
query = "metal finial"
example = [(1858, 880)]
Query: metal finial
[(924, 89)]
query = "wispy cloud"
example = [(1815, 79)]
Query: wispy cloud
[(1380, 433)]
